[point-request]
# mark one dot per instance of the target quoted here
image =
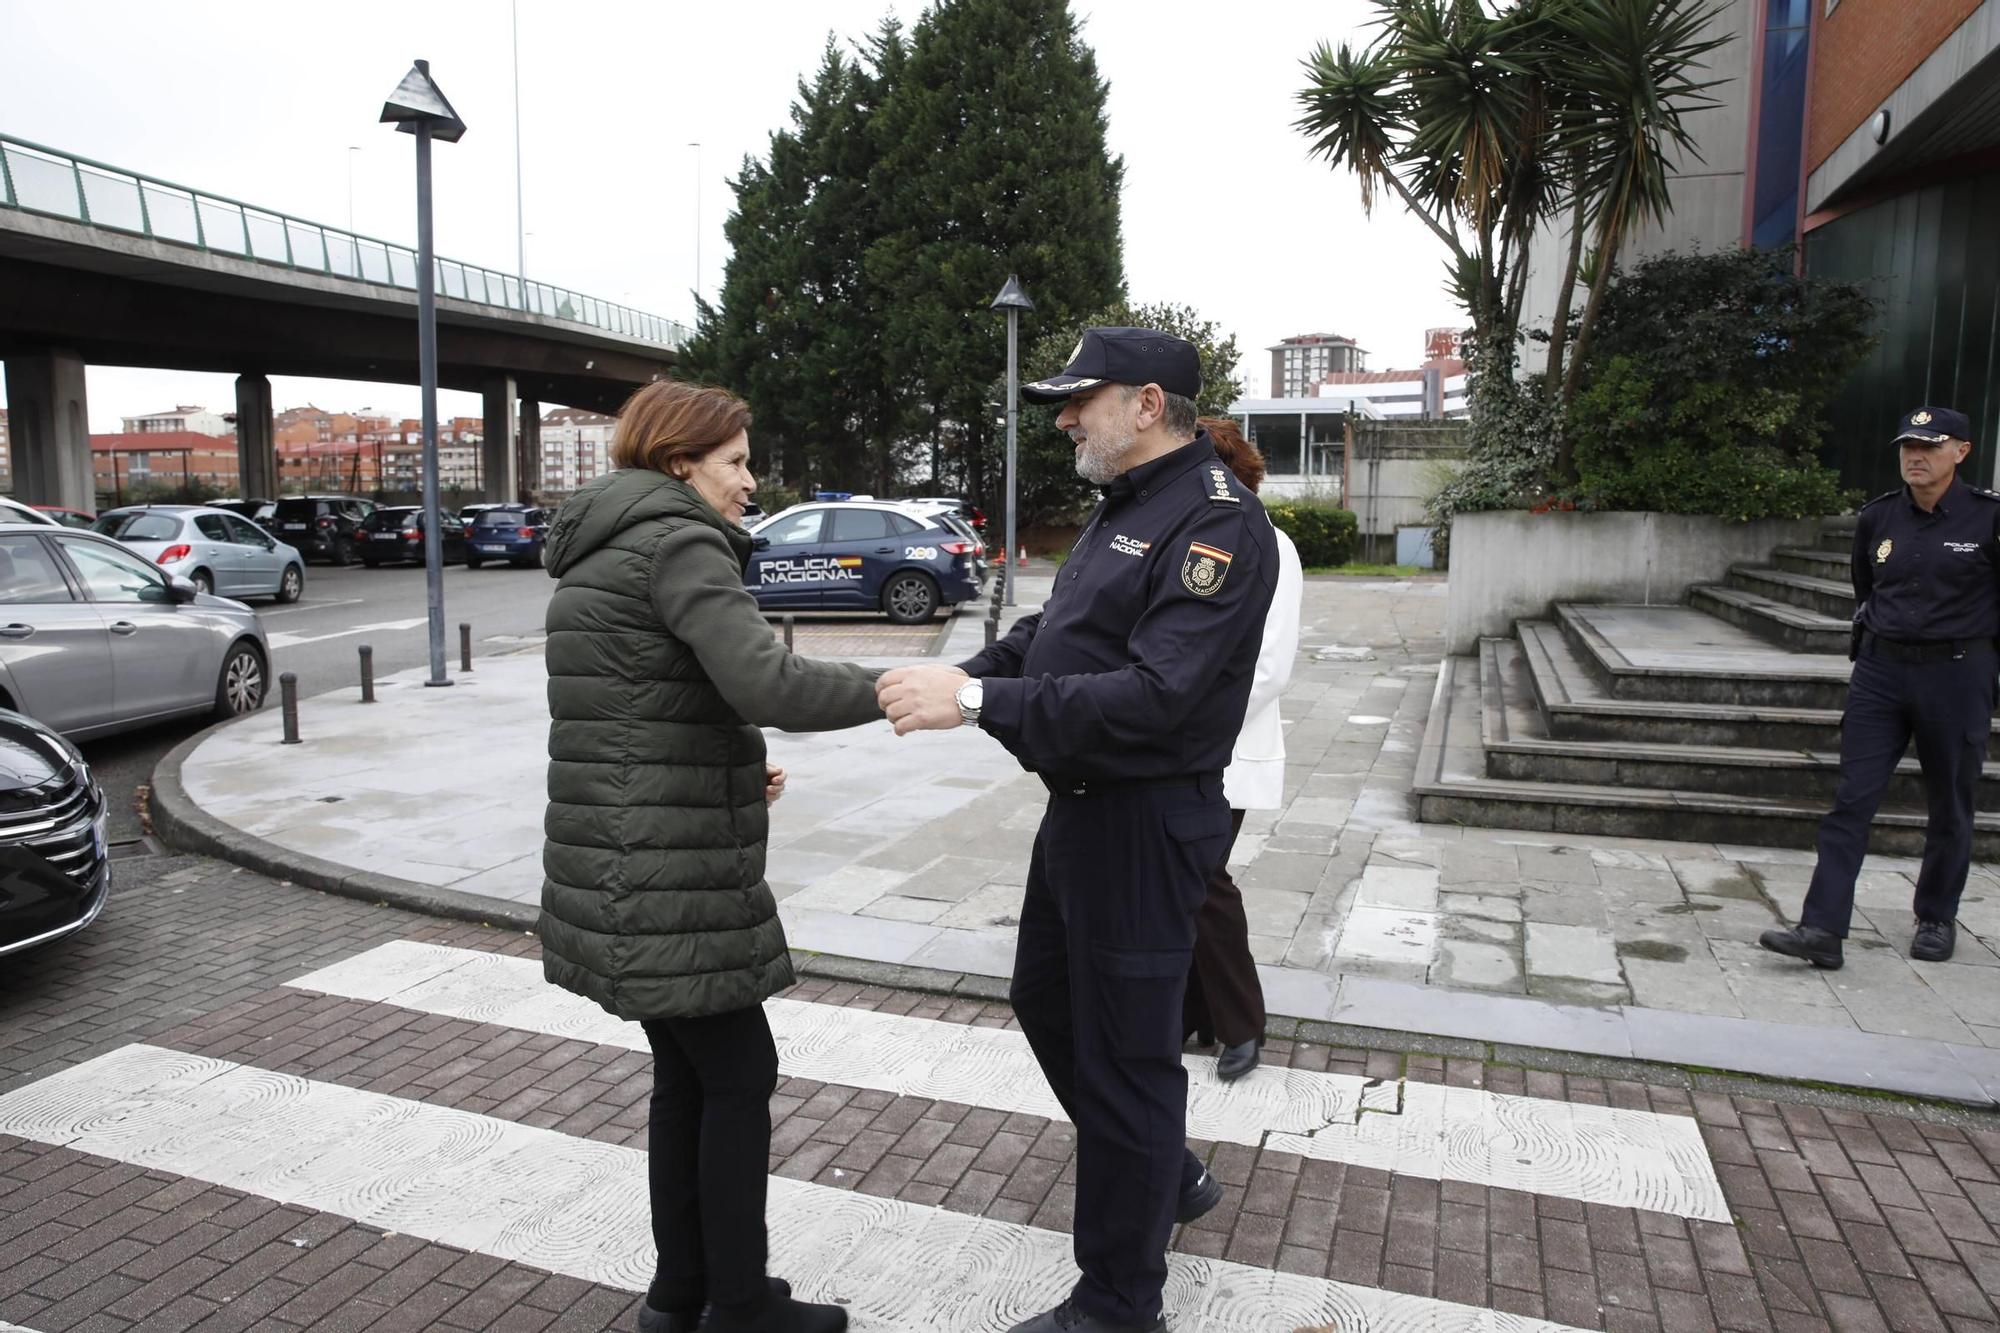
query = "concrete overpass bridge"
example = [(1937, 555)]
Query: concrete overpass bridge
[(99, 264)]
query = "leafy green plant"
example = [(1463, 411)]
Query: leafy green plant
[(1324, 533)]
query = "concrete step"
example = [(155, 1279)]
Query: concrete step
[(1826, 597), (1790, 626), (1677, 654), (1453, 787), (1519, 748), (1815, 561), (1837, 536), (1574, 706)]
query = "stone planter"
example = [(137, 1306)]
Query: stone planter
[(1509, 565)]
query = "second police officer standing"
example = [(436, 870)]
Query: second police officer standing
[(1124, 694), (1926, 572)]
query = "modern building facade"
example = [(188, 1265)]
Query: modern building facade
[(1868, 132), (1304, 359)]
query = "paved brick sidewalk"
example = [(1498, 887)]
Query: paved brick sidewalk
[(1847, 1214)]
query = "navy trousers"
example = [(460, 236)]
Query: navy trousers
[(1947, 707), (1106, 939)]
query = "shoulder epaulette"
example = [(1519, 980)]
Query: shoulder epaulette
[(1983, 493), (1886, 495), (1217, 485)]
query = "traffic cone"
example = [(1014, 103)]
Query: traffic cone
[(1003, 556), (1023, 562)]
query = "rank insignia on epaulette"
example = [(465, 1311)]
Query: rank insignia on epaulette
[(1221, 494), (1204, 569)]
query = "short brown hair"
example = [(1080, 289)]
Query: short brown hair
[(669, 422), (1239, 454)]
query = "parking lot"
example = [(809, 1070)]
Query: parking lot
[(343, 608)]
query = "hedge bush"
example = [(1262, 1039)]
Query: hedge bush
[(1323, 532)]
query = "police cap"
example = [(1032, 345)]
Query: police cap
[(1933, 425), (1123, 356)]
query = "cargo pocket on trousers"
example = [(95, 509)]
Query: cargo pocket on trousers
[(1140, 992)]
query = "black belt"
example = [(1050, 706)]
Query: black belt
[(1062, 786), (1928, 650)]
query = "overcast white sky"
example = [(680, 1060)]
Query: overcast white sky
[(262, 102)]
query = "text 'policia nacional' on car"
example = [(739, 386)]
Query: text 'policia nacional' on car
[(94, 638), (854, 555), (395, 535), (213, 549), (515, 534), (55, 869)]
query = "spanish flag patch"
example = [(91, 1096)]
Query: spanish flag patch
[(1204, 568)]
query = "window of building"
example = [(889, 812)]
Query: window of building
[(1781, 104)]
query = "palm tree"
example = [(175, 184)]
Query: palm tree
[(1489, 125)]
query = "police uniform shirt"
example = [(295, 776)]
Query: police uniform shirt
[(1139, 664), (1925, 577)]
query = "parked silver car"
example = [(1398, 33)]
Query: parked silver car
[(215, 550), (95, 639)]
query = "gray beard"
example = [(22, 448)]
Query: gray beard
[(1099, 460)]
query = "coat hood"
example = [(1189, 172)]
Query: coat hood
[(596, 515)]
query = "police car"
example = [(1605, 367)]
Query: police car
[(855, 555)]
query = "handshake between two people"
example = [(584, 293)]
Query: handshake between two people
[(921, 698)]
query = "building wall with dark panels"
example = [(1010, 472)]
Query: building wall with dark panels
[(1928, 257), (1865, 49)]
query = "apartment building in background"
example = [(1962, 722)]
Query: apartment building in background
[(1304, 359), (198, 420), (576, 446)]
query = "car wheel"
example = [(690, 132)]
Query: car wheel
[(367, 563), (910, 599), (243, 683), (203, 580), (471, 563), (292, 585), (343, 551)]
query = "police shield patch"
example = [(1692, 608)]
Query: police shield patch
[(1204, 569)]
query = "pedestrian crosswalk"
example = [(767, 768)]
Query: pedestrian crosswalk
[(1593, 1154), (577, 1206)]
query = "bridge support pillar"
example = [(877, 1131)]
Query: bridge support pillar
[(49, 426), (256, 442), (499, 478), (532, 481)]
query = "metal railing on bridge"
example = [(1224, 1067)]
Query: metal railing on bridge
[(38, 179)]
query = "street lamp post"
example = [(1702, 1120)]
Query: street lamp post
[(1012, 300), (418, 107)]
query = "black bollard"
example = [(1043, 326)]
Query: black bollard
[(788, 633), (992, 631), (367, 674), (288, 689), (464, 646)]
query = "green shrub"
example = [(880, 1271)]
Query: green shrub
[(1323, 532)]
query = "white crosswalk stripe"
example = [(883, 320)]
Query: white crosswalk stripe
[(578, 1206), (1593, 1154)]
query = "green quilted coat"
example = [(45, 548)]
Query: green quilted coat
[(661, 671)]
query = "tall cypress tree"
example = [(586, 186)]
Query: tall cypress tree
[(993, 160)]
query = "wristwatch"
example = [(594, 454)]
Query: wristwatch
[(970, 696)]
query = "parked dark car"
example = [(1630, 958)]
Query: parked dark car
[(322, 526), (257, 511), (860, 556), (513, 535), (55, 870), (395, 536)]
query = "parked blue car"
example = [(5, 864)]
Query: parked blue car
[(515, 535), (856, 555)]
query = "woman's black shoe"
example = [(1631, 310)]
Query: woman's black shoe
[(663, 1321)]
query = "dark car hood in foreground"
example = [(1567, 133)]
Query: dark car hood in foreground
[(30, 754)]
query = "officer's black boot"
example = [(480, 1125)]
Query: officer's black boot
[(1236, 1061), (681, 1321), (1819, 947), (1934, 941), (778, 1314), (1066, 1318), (1200, 1192)]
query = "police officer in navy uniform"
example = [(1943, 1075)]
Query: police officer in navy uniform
[(1124, 694), (1927, 599)]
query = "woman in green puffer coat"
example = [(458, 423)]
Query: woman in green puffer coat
[(654, 904)]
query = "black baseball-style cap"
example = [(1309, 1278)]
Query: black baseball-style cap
[(1933, 425), (1123, 356)]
